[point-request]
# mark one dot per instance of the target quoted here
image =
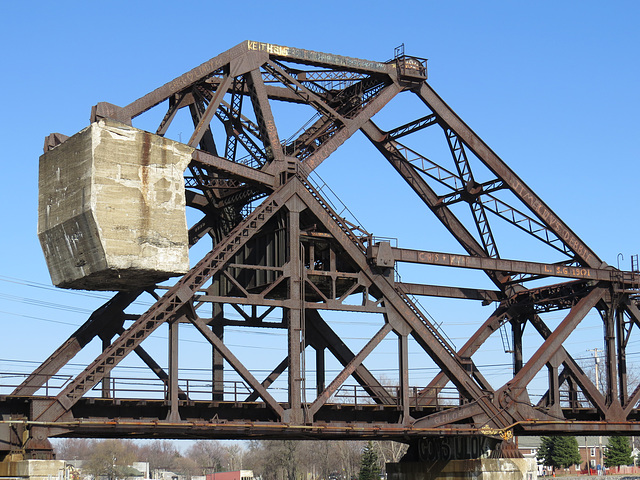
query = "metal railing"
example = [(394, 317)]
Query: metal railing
[(123, 388), (193, 389), (357, 395), (51, 384)]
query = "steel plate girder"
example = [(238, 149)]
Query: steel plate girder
[(486, 296)]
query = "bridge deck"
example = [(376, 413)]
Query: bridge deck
[(136, 418)]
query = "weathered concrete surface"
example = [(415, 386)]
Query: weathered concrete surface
[(480, 469), (111, 209), (32, 469)]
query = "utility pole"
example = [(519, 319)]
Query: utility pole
[(597, 362)]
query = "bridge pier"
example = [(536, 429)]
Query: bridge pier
[(31, 469), (474, 457), (477, 469)]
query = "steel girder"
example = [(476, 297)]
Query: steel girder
[(280, 246)]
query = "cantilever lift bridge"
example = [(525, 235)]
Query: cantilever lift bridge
[(281, 250)]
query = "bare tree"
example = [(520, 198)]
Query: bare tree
[(210, 455), (73, 448), (274, 459), (235, 455), (350, 456), (160, 454), (185, 466), (111, 458), (389, 451)]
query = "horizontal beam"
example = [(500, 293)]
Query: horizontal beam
[(451, 292), (320, 59), (499, 265), (256, 299), (234, 169), (254, 420)]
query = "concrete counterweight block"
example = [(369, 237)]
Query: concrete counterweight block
[(111, 209)]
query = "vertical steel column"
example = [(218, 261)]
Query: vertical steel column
[(217, 360), (517, 327), (106, 381), (403, 365), (320, 372), (217, 327), (554, 386), (622, 356), (294, 313), (610, 351), (172, 393)]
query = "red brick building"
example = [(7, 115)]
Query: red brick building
[(236, 475)]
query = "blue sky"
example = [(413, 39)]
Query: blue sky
[(552, 87)]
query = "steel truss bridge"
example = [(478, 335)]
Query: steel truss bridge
[(280, 248)]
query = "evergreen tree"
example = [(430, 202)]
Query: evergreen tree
[(544, 451), (618, 452), (559, 452), (369, 468)]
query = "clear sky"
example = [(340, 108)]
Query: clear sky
[(551, 86)]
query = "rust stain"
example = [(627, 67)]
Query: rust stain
[(145, 160)]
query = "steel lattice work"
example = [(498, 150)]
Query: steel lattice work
[(279, 247)]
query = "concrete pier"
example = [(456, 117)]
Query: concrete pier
[(32, 469), (478, 469)]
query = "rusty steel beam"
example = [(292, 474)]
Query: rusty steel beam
[(428, 196), (500, 265), (183, 82), (451, 292), (587, 256), (349, 369), (272, 377), (108, 316), (351, 126), (264, 116), (555, 340), (210, 111), (586, 384), (426, 335), (492, 324), (321, 59), (237, 365), (344, 355), (234, 169)]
